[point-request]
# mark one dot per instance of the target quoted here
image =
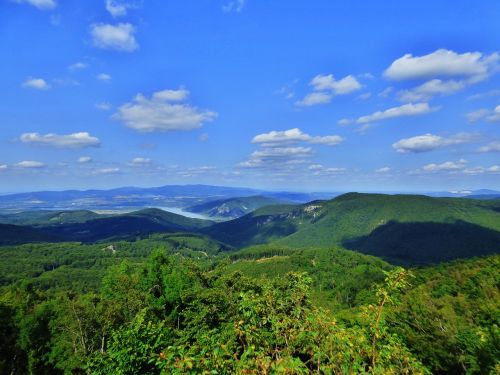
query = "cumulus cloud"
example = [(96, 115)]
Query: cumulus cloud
[(475, 66), (234, 6), (106, 171), (430, 89), (383, 170), (491, 147), (320, 170), (119, 8), (84, 159), (404, 110), (40, 4), (3, 167), (118, 37), (293, 136), (30, 164), (325, 87), (494, 169), (429, 142), (75, 140), (446, 166), (276, 157), (36, 83), (104, 77), (140, 162), (314, 98), (480, 114), (343, 86), (164, 111), (477, 115)]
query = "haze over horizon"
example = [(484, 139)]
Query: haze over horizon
[(278, 96)]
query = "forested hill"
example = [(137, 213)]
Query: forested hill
[(400, 228), (233, 208)]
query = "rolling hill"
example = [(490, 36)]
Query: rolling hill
[(124, 226), (46, 217), (233, 208), (407, 229), (17, 234)]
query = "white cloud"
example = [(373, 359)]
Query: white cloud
[(203, 137), (118, 37), (75, 140), (171, 95), (494, 169), (343, 86), (3, 167), (106, 171), (103, 106), (30, 164), (431, 88), (477, 115), (443, 63), (325, 87), (78, 66), (234, 6), (490, 115), (383, 170), (40, 4), (140, 162), (293, 136), (117, 8), (429, 142), (162, 112), (365, 96), (36, 83), (446, 166), (320, 170), (314, 98), (277, 157), (84, 159), (104, 77), (409, 109), (491, 147), (345, 121)]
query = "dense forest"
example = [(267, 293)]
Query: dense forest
[(179, 303), (363, 283)]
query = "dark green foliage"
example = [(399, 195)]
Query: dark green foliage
[(408, 229), (414, 243), (340, 278), (127, 226), (451, 318), (16, 234)]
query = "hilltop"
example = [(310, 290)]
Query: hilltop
[(399, 228)]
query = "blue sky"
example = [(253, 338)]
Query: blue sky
[(297, 95)]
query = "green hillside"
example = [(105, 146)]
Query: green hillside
[(16, 234), (48, 217), (401, 228), (233, 208), (126, 226)]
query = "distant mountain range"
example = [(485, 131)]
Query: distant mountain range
[(404, 229), (180, 196)]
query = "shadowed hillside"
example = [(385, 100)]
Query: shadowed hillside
[(353, 216)]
